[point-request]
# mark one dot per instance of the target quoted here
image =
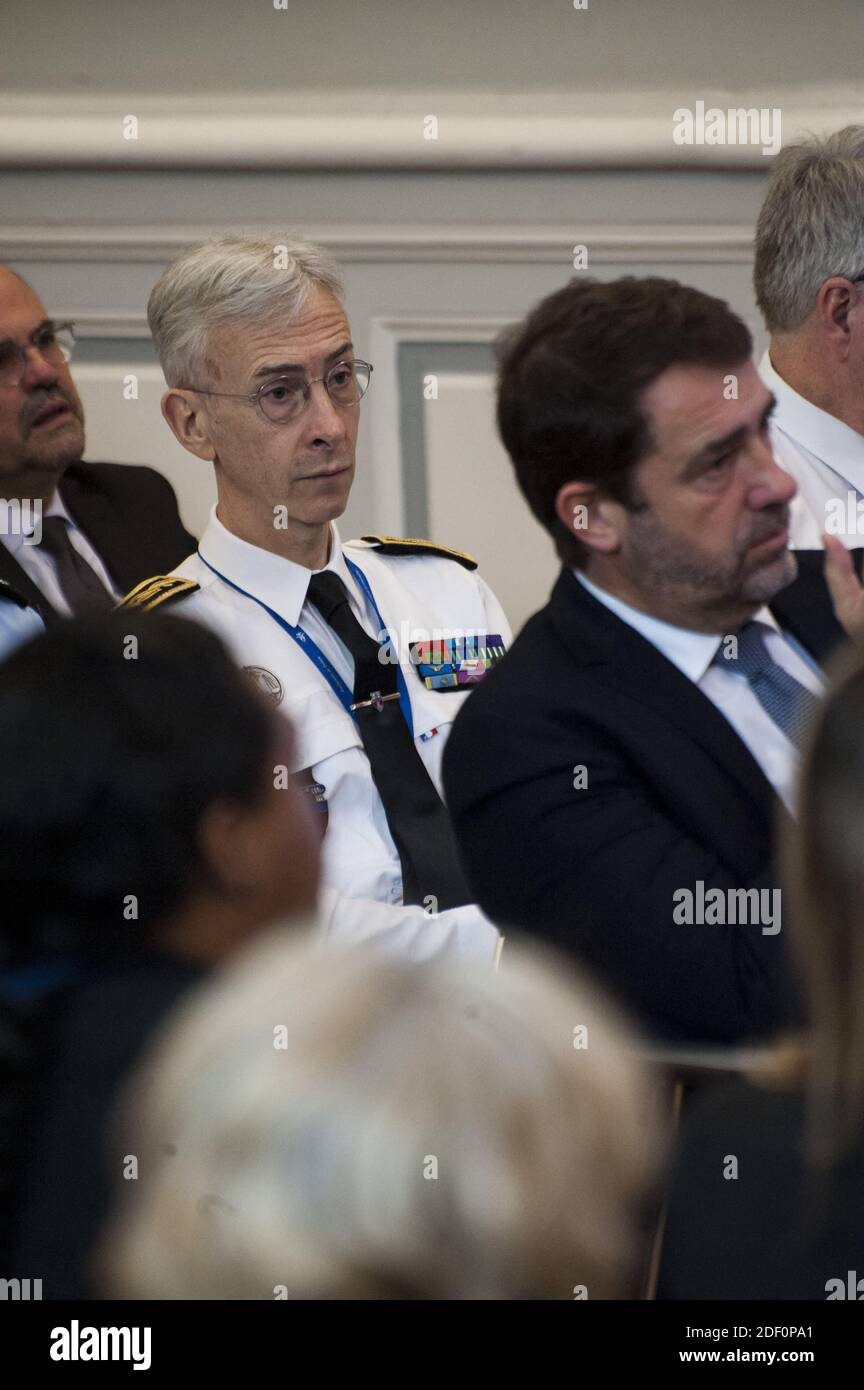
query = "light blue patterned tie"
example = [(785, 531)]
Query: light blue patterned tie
[(789, 703)]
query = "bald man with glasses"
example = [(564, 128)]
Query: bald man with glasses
[(74, 536)]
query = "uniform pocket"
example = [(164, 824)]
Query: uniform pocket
[(322, 727)]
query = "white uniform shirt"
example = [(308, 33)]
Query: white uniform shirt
[(419, 596), (693, 653), (826, 459), (41, 567)]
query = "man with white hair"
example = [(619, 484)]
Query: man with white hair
[(809, 280), (370, 647)]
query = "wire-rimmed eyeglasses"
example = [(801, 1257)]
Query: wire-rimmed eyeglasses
[(53, 341), (284, 398)]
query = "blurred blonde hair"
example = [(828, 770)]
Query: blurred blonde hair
[(824, 870), (426, 1131)]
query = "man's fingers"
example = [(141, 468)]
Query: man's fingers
[(847, 594)]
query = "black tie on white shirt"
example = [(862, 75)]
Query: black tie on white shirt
[(417, 817)]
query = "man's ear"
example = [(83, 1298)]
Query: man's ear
[(592, 518), (837, 299), (187, 418)]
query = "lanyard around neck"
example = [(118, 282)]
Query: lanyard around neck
[(311, 649)]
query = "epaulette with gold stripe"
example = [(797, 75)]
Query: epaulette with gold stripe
[(412, 545), (161, 589)]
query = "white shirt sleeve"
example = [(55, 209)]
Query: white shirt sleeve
[(462, 932)]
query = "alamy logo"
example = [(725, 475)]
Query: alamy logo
[(849, 1288), (20, 1290), (21, 516), (719, 907), (845, 518), (77, 1343), (739, 125)]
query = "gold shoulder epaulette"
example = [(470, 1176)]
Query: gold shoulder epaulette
[(411, 545), (162, 588)]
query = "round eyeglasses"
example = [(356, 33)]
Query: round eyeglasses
[(284, 398), (53, 341)]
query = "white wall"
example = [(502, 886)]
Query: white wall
[(486, 45)]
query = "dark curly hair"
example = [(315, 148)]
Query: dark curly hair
[(108, 765)]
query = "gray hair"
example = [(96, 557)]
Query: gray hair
[(231, 279), (811, 225), (308, 1096)]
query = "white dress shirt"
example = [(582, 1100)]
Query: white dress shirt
[(41, 567), (826, 459), (693, 653), (418, 596), (17, 625)]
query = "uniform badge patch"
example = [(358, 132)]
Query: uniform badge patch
[(315, 796), (268, 683), (158, 591), (451, 663)]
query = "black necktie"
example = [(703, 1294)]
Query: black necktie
[(416, 815), (79, 583)]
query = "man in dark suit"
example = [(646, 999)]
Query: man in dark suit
[(74, 536), (616, 783)]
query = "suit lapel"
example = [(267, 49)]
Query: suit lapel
[(620, 656), (90, 509)]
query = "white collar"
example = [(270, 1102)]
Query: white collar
[(692, 652), (827, 438), (56, 507), (281, 584)]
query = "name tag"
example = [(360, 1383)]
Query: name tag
[(451, 663)]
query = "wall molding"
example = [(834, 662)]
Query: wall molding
[(385, 336), (476, 130), (106, 323), (410, 242)]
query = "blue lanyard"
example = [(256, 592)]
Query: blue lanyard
[(314, 652)]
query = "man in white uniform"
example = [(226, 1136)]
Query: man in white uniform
[(369, 647), (809, 279)]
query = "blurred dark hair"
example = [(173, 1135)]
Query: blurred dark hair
[(571, 373), (109, 762)]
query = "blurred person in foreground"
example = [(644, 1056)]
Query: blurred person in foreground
[(788, 1221), (322, 1123), (143, 837)]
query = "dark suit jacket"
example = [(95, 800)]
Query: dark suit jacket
[(673, 797), (93, 1037), (778, 1229), (129, 515)]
